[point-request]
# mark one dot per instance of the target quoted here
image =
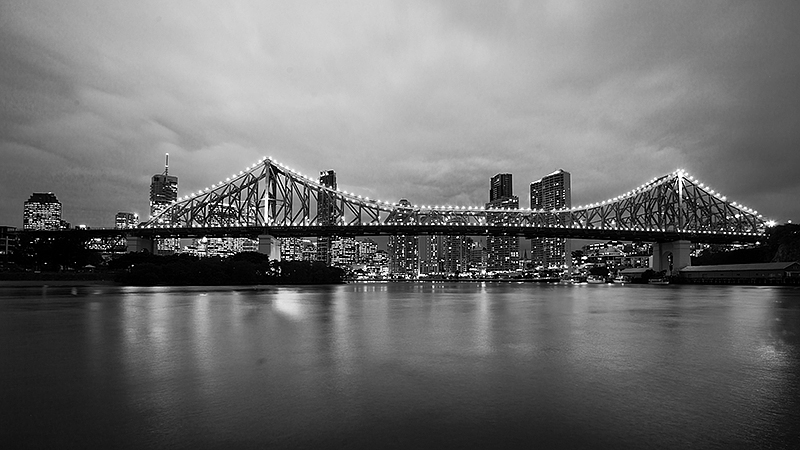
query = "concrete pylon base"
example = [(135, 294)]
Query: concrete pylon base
[(270, 245), (671, 256)]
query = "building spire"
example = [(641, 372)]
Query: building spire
[(166, 165)]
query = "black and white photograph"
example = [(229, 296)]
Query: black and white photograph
[(400, 224)]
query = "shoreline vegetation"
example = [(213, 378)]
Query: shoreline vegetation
[(144, 269)]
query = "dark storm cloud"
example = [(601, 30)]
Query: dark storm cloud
[(422, 100)]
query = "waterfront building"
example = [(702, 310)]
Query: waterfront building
[(327, 214), (42, 211), (291, 249), (404, 253), (344, 252), (430, 259), (9, 239), (404, 256), (478, 256), (760, 273), (309, 250), (379, 265), (445, 254), (503, 251), (367, 248), (222, 247), (553, 191), (126, 220)]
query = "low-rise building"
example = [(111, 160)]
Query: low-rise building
[(763, 273)]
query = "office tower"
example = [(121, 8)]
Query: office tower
[(503, 250), (478, 256), (404, 256), (404, 253), (126, 220), (445, 254), (501, 187), (163, 192), (431, 249), (551, 192), (42, 212), (327, 214)]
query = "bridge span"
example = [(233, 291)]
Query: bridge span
[(269, 199)]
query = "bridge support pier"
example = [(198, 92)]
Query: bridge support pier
[(137, 244), (671, 256), (269, 245)]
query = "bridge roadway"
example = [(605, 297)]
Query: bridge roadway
[(527, 232)]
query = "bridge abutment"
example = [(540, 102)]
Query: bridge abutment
[(269, 245), (671, 256), (137, 244)]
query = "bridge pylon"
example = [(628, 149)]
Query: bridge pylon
[(270, 246), (671, 256)]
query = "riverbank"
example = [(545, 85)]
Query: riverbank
[(56, 283)]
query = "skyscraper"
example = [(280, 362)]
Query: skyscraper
[(404, 253), (163, 191), (327, 214), (501, 187), (551, 192), (445, 254), (503, 250), (42, 212)]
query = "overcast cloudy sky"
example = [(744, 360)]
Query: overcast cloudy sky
[(423, 100)]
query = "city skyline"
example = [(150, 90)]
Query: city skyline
[(404, 100)]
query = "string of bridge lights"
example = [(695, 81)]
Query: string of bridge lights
[(389, 206)]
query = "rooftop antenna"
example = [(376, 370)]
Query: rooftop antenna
[(166, 165)]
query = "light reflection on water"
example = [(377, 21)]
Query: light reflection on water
[(404, 365)]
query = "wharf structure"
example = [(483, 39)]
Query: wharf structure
[(759, 274)]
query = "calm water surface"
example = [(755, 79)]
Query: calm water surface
[(401, 366)]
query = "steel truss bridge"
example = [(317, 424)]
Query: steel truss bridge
[(270, 198)]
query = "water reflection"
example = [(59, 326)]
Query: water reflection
[(458, 364)]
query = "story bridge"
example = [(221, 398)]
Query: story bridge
[(269, 199)]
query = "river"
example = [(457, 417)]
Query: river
[(400, 365)]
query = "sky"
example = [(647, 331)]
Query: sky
[(420, 100)]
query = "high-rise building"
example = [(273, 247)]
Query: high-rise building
[(501, 187), (445, 254), (42, 212), (404, 253), (404, 256), (503, 251), (163, 191), (327, 214), (126, 220), (551, 192)]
